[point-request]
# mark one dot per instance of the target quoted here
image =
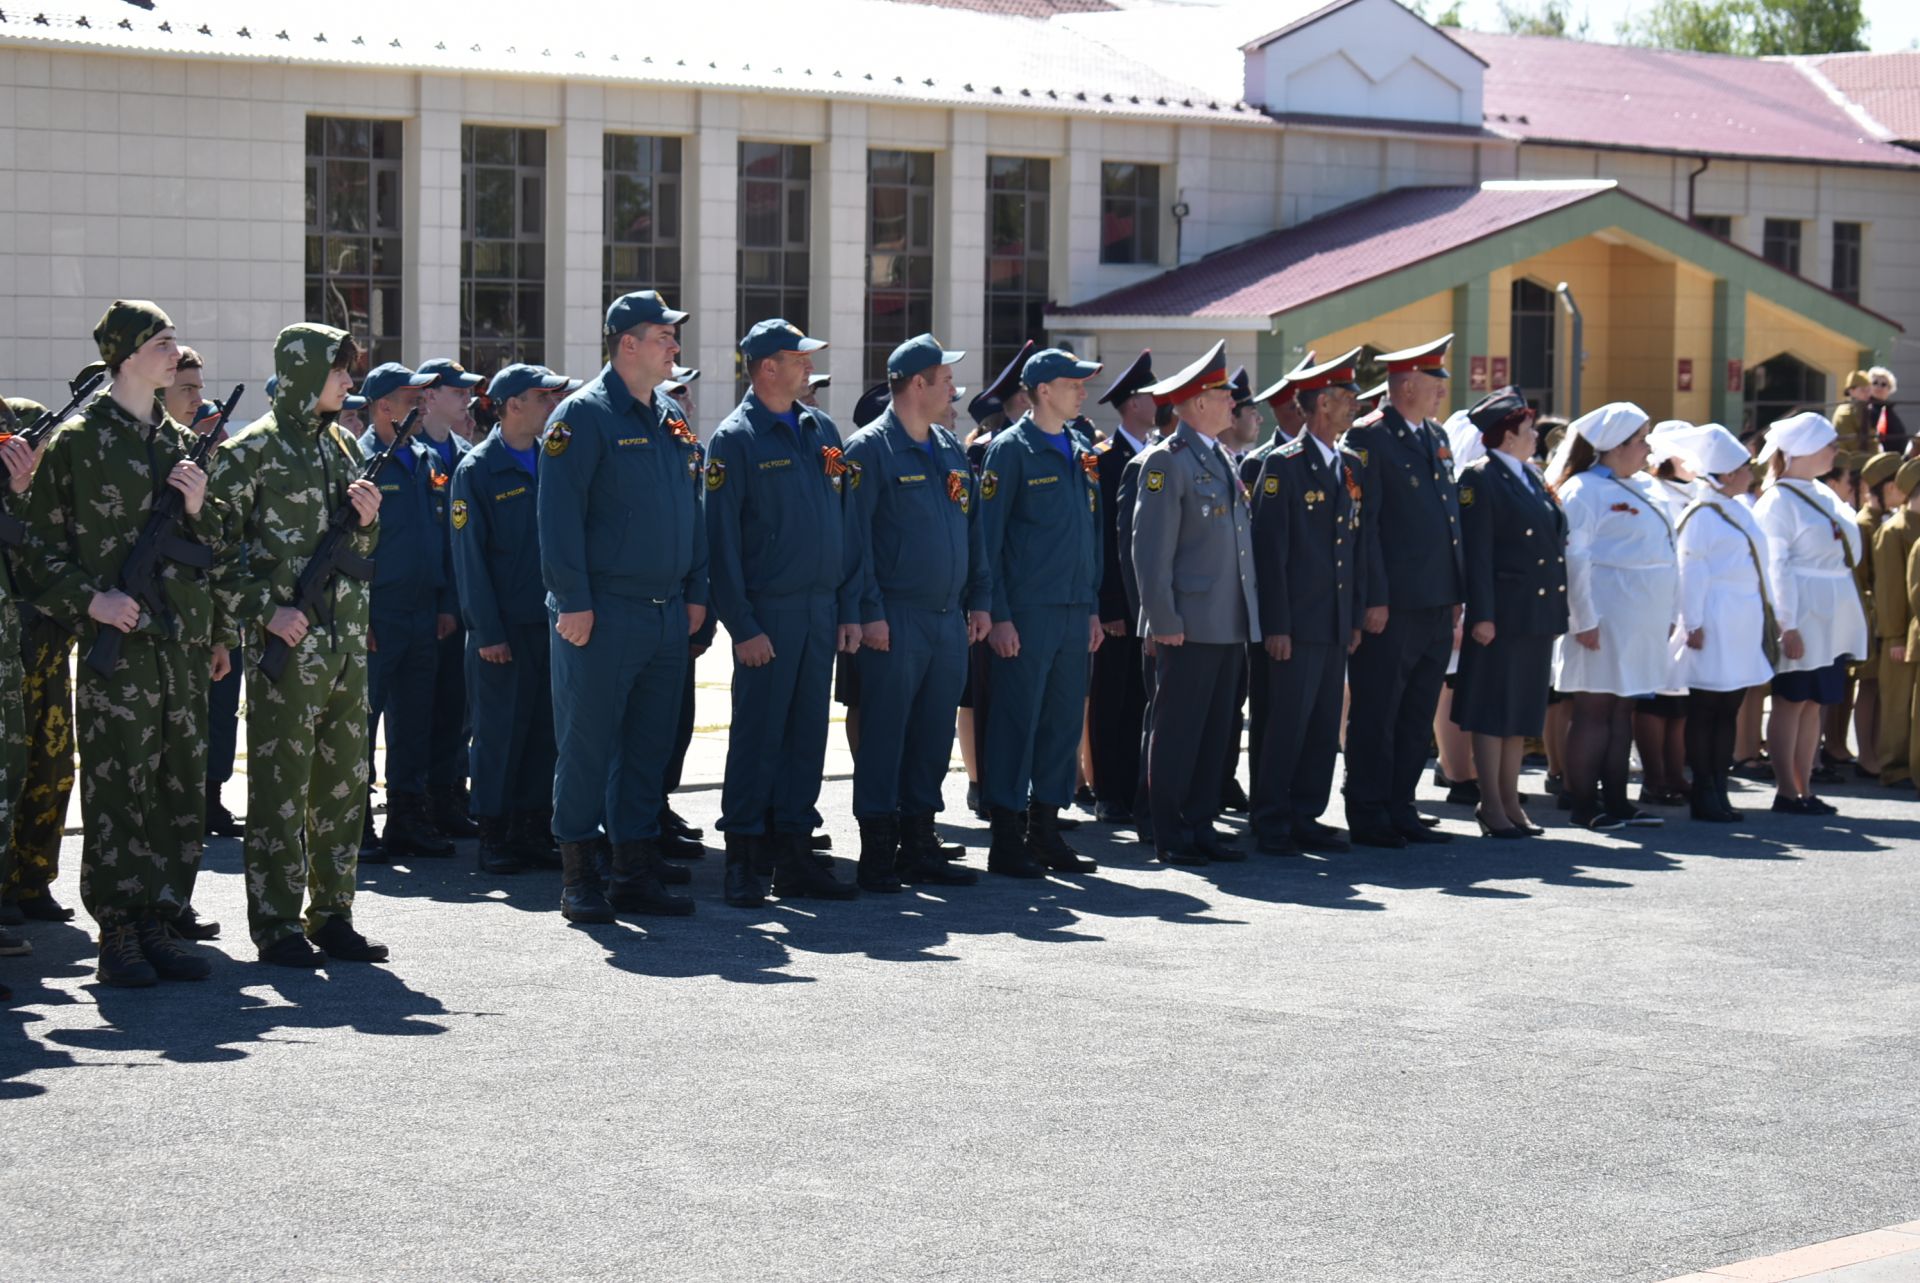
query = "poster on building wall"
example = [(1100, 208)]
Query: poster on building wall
[(1684, 380), (1500, 370), (1477, 373), (1736, 377)]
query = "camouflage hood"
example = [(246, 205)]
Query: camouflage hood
[(303, 356), (19, 413)]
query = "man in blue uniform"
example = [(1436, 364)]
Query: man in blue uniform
[(496, 557), (1415, 586), (1193, 560), (776, 481), (1288, 420), (413, 607), (623, 555), (1040, 525), (1309, 554), (919, 589), (443, 419), (1118, 701)]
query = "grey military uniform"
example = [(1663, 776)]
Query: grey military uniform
[(1193, 558)]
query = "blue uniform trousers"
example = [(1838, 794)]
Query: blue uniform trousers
[(1033, 725), (908, 696), (400, 679), (1301, 722), (1187, 757), (511, 764), (777, 750), (447, 743), (616, 701)]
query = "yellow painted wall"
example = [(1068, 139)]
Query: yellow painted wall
[(1772, 329), (1404, 327), (1693, 339), (1587, 266)]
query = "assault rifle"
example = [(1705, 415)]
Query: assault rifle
[(333, 556), (13, 531), (160, 541)]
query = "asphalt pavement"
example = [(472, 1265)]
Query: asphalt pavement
[(1578, 1058)]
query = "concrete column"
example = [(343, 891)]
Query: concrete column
[(1729, 344), (431, 222), (710, 267), (1471, 310), (838, 260), (960, 244), (576, 216), (1075, 265), (1191, 173)]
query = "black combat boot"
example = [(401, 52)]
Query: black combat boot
[(672, 875), (338, 939), (924, 859), (636, 887), (581, 896), (796, 875), (671, 821), (410, 831), (879, 849), (678, 839), (495, 854), (122, 962), (1009, 855), (743, 887), (170, 961), (189, 925), (1047, 847), (448, 814), (531, 837)]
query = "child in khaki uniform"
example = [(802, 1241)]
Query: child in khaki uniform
[(1878, 497), (1893, 616)]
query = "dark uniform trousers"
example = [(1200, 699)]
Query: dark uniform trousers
[(512, 757), (777, 748), (1301, 721), (907, 696), (1396, 677), (400, 684), (1257, 697), (1119, 703), (451, 729), (1033, 729), (223, 728), (683, 732), (621, 693), (1197, 687)]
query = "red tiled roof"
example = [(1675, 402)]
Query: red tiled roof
[(1019, 8), (1283, 270), (1886, 85), (1544, 89)]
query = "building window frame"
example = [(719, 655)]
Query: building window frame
[(901, 204), (1781, 242), (641, 218), (1720, 225), (503, 246), (773, 247), (1849, 259), (1130, 212), (354, 228), (1019, 254)]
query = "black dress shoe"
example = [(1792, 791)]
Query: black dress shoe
[(337, 938), (1509, 834), (222, 823), (1384, 836), (1104, 814), (44, 908), (1638, 819), (671, 821), (1465, 793), (1234, 798), (1819, 806), (293, 951), (1216, 850), (1084, 799), (1186, 857), (10, 915), (820, 842), (1421, 835), (1280, 846), (678, 846), (1311, 835), (974, 803), (1596, 821)]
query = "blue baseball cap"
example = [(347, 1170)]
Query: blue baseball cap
[(1055, 363), (384, 380), (643, 307), (353, 402), (445, 372), (515, 379), (776, 335), (918, 354)]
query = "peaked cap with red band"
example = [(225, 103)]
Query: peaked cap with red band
[(1209, 372)]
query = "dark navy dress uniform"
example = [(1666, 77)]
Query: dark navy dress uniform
[(1418, 573), (1039, 515), (1125, 496), (774, 521), (447, 751), (1308, 533), (1516, 545), (1117, 704), (412, 588), (621, 534), (921, 568), (496, 554)]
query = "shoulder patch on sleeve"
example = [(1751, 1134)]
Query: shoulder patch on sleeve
[(459, 514), (989, 484), (1156, 480), (716, 474), (1466, 496), (1271, 486), (557, 438)]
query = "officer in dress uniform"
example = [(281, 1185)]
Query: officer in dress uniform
[(1040, 522), (1288, 421), (496, 557), (919, 590), (445, 426), (1415, 585), (776, 485), (1119, 698), (1310, 554), (623, 554), (1193, 557), (413, 607)]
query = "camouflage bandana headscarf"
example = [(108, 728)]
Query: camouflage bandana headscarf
[(128, 324), (303, 356), (20, 413)]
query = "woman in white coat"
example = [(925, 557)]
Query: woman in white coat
[(1622, 586), (1727, 630), (1813, 546), (1660, 721)]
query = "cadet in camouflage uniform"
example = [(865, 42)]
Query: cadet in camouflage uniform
[(143, 744), (19, 463), (39, 793), (279, 480)]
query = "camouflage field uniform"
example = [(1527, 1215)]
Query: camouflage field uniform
[(13, 731), (41, 791), (142, 730), (278, 479)]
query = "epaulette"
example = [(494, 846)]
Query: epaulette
[(1290, 449), (1176, 445)]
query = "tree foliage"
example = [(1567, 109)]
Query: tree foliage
[(1756, 28), (1549, 18)]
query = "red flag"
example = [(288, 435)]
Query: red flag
[(1881, 430)]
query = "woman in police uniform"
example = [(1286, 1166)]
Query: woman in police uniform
[(1621, 590), (1515, 538)]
